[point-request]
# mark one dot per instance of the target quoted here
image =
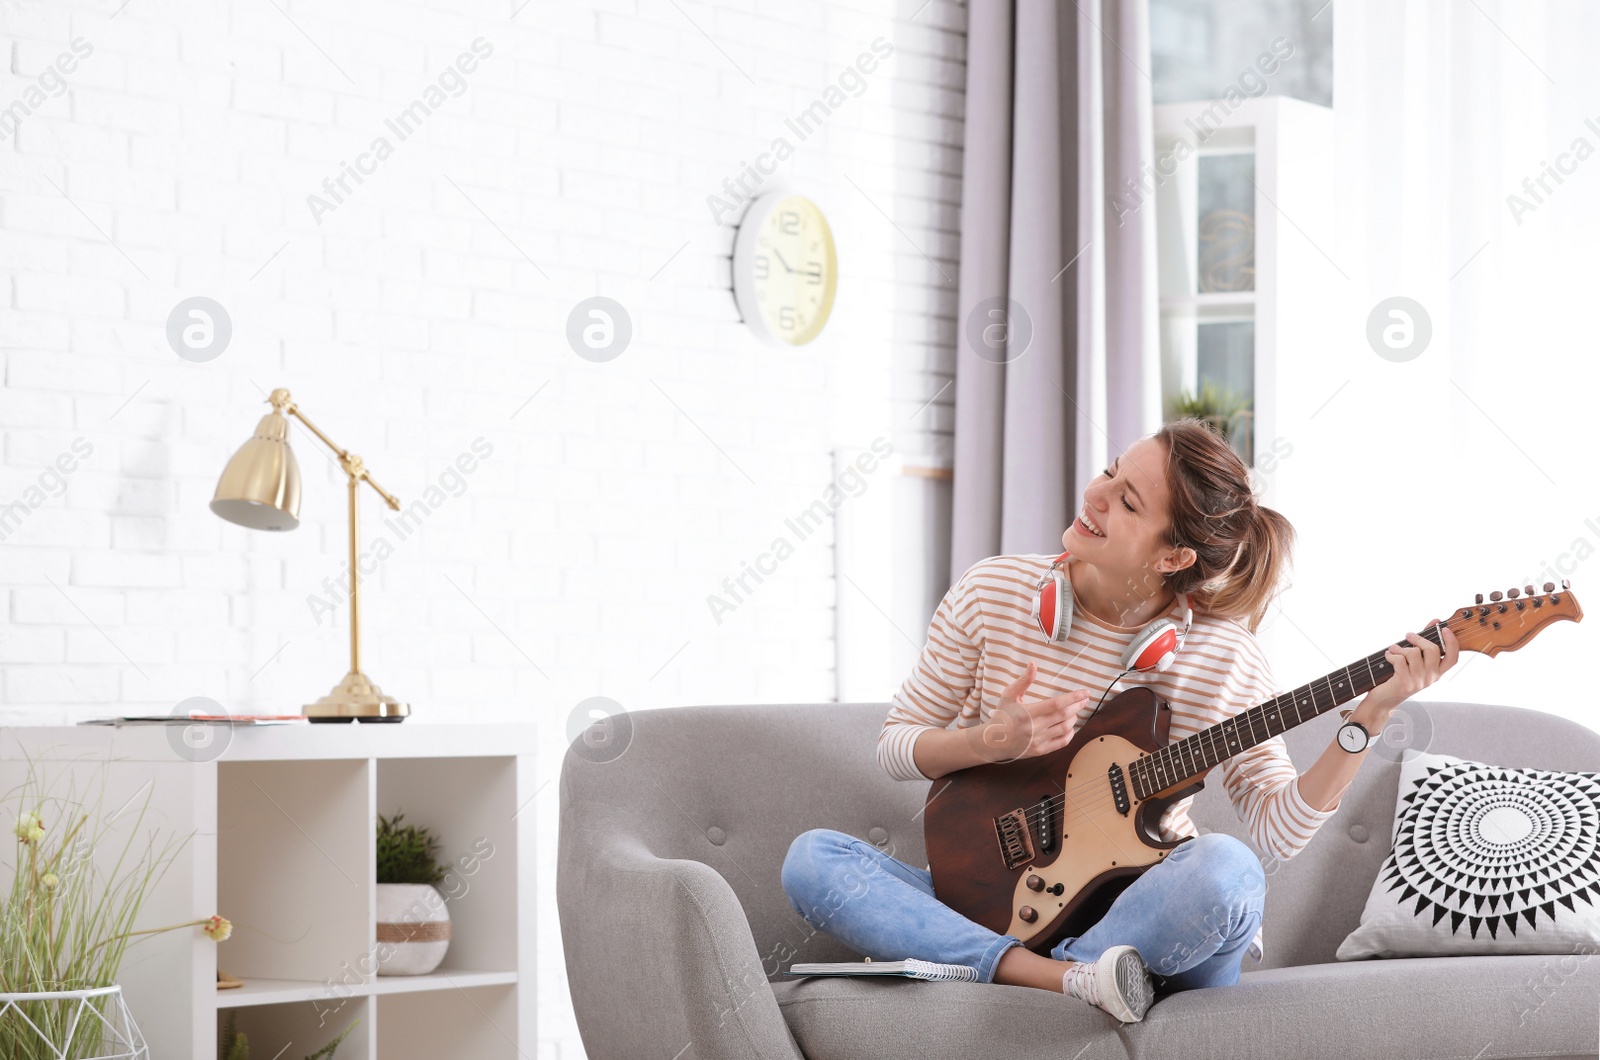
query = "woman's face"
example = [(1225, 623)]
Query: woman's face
[(1122, 524)]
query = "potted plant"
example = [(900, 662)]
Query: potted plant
[(413, 930), (65, 923), (1227, 412)]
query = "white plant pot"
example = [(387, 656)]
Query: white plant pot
[(71, 1025), (413, 928)]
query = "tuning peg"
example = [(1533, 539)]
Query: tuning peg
[(1528, 589), (1549, 587), (1565, 584), (1478, 599), (1513, 593), (1496, 595)]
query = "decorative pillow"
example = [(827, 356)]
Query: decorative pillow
[(1486, 860)]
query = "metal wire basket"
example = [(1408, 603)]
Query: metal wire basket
[(92, 1024)]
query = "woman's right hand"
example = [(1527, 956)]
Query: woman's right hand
[(1026, 730)]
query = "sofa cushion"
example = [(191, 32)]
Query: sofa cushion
[(1432, 1008), (834, 1018), (1427, 1008), (1486, 860)]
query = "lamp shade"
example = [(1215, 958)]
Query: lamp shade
[(260, 487)]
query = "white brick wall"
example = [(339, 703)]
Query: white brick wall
[(177, 162)]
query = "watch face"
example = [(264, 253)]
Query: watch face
[(1352, 737)]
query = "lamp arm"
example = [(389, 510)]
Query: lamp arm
[(350, 462)]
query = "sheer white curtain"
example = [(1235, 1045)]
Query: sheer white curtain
[(1470, 467)]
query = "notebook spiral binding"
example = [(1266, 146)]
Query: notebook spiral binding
[(933, 970)]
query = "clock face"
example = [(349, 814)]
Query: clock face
[(793, 271)]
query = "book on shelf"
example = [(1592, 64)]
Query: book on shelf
[(911, 967), (197, 716)]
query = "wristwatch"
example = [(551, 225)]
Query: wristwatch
[(1353, 736)]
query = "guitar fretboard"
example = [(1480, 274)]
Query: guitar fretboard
[(1192, 756)]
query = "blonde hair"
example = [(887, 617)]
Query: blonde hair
[(1241, 548)]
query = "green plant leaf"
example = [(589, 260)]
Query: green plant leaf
[(67, 913), (1211, 403), (327, 1050), (235, 1046), (408, 854)]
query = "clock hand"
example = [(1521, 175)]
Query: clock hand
[(780, 258)]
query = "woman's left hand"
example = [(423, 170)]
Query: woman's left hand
[(1417, 665)]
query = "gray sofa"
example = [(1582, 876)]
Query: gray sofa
[(675, 924)]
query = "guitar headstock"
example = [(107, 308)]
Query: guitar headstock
[(1508, 620)]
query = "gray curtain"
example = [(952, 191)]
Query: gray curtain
[(1057, 358)]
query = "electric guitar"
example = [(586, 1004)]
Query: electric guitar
[(1039, 848)]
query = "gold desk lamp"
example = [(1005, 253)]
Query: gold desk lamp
[(260, 489)]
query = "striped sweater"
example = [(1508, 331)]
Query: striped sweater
[(982, 638)]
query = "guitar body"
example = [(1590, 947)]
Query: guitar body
[(1082, 850)]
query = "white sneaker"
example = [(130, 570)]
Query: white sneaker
[(1118, 983)]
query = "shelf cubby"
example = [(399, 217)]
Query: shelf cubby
[(478, 1021), (295, 1030), (470, 804), (294, 865)]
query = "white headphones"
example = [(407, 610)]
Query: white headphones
[(1153, 649)]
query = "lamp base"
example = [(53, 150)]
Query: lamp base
[(356, 698)]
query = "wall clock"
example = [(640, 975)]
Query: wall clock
[(784, 268)]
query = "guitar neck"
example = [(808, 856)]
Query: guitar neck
[(1184, 760)]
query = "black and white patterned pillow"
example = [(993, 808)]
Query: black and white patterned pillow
[(1486, 859)]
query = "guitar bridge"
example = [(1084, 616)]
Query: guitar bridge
[(1016, 845)]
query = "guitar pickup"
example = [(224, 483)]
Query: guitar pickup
[(1119, 788), (1044, 823), (1016, 843)]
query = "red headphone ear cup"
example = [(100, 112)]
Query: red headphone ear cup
[(1153, 649), (1052, 608)]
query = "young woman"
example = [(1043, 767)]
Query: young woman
[(1172, 521)]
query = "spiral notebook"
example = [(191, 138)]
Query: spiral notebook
[(910, 967)]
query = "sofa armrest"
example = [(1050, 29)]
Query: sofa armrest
[(660, 956)]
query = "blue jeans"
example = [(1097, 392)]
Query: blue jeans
[(1191, 915)]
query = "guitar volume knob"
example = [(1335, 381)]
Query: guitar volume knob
[(1035, 883), (1027, 914)]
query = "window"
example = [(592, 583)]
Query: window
[(1214, 62), (1202, 48)]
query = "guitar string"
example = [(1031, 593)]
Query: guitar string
[(1099, 783), (1082, 809)]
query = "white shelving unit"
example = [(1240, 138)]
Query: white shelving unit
[(280, 828)]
